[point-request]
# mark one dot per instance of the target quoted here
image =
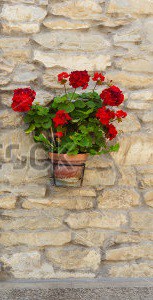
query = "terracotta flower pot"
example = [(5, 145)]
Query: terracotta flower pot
[(68, 170)]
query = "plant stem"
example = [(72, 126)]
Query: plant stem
[(94, 87), (52, 135), (73, 94)]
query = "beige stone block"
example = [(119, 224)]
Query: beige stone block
[(142, 220), (78, 41), (74, 258), (130, 80), (129, 124), (25, 73), (148, 197), (10, 118), (130, 7), (127, 176), (75, 192), (147, 117), (79, 62), (146, 181), (96, 219), (30, 190), (132, 270), (15, 48), (99, 161), (138, 105), (134, 64), (64, 24), (131, 252), (118, 198), (90, 237), (78, 9), (21, 27), (36, 239), (99, 177), (140, 95), (135, 149), (122, 238), (148, 30), (7, 201), (66, 203), (43, 97), (21, 13)]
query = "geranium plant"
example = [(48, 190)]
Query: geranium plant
[(76, 122)]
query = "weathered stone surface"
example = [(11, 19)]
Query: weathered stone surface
[(90, 237), (136, 64), (76, 62), (118, 198), (146, 181), (132, 270), (95, 219), (16, 48), (131, 252), (130, 80), (138, 105), (130, 6), (129, 124), (10, 118), (142, 220), (144, 95), (99, 161), (148, 29), (21, 27), (25, 73), (36, 239), (67, 203), (128, 176), (43, 97), (76, 192), (21, 13), (148, 197), (62, 23), (78, 41), (77, 9), (74, 258), (7, 201), (135, 150), (50, 78), (30, 190), (147, 117), (99, 177)]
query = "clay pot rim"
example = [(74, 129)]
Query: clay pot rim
[(65, 157)]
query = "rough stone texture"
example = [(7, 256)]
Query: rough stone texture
[(118, 198), (111, 215), (74, 258), (105, 220)]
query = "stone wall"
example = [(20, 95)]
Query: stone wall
[(106, 227)]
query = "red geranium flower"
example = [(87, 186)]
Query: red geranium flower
[(79, 79), (112, 96), (22, 99), (61, 118), (59, 134), (62, 77), (105, 115), (120, 114), (98, 77), (112, 132)]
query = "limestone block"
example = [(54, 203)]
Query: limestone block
[(90, 237), (64, 24), (16, 48), (146, 181), (10, 118), (79, 62), (21, 27), (135, 150), (129, 124), (144, 95), (142, 220), (78, 9), (21, 13), (147, 117), (130, 80), (132, 270), (131, 252), (25, 73), (139, 105), (128, 176), (148, 197), (118, 198), (134, 64), (95, 219), (130, 7), (74, 258), (99, 177), (7, 201)]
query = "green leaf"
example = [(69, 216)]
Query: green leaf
[(79, 104), (47, 125), (30, 128), (91, 104), (68, 107), (114, 148)]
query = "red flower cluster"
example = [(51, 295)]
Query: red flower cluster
[(22, 99), (120, 114), (62, 77), (98, 77), (59, 134), (61, 118), (79, 79), (112, 132), (112, 96), (105, 115)]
